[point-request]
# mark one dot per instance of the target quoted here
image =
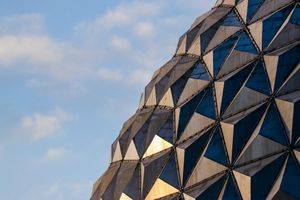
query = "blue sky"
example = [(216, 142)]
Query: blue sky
[(71, 72)]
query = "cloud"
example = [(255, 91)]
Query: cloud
[(140, 77), (145, 29), (72, 190), (42, 55), (56, 88), (110, 74), (122, 15), (29, 49), (26, 47), (61, 190), (26, 24), (55, 153), (41, 126), (120, 43), (135, 77)]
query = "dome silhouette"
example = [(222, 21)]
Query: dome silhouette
[(221, 119)]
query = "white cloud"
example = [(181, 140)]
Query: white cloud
[(145, 29), (110, 74), (120, 43), (140, 77), (55, 153), (58, 89), (25, 46), (42, 55), (135, 77), (61, 190), (26, 24), (29, 49), (40, 126), (121, 15), (72, 190)]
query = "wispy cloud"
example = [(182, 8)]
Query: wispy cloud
[(42, 55), (73, 190), (61, 190), (122, 15), (26, 24), (26, 47), (55, 153), (40, 126), (139, 76), (110, 74), (145, 29), (120, 43), (38, 50)]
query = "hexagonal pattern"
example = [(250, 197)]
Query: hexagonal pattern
[(220, 120)]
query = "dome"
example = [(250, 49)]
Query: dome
[(220, 120)]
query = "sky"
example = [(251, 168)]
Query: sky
[(71, 73)]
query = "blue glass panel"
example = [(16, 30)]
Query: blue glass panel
[(187, 111), (245, 44), (166, 132), (152, 126), (160, 87), (286, 63), (222, 52), (296, 124), (244, 128), (291, 179), (153, 167), (207, 105), (272, 127), (178, 87), (124, 141), (193, 153), (132, 189), (231, 192), (253, 6), (272, 25), (233, 85), (169, 173), (216, 149), (191, 36), (295, 19), (139, 139), (199, 72), (232, 20), (258, 80), (207, 36), (213, 191), (263, 180)]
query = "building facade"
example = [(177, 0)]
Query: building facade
[(221, 119)]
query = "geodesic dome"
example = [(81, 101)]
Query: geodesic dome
[(221, 119)]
